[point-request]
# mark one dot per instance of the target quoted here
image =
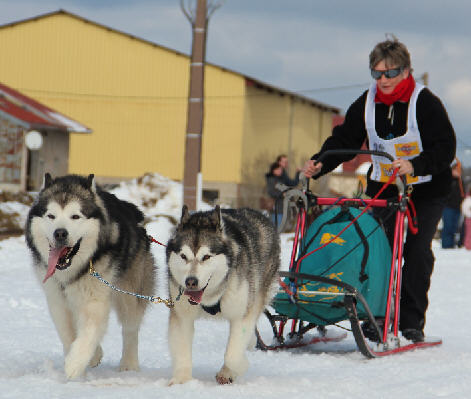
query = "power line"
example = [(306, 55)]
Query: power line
[(333, 88), (141, 97)]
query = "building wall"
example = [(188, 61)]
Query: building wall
[(11, 154), (22, 169), (277, 124), (223, 126), (131, 93), (51, 158), (117, 85)]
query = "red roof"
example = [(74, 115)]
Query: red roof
[(34, 115)]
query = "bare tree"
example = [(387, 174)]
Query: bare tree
[(190, 12)]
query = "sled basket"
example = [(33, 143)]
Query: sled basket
[(360, 257)]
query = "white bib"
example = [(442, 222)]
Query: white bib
[(407, 146)]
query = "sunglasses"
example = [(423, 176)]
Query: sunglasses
[(389, 73)]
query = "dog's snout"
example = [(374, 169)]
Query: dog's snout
[(191, 283), (60, 234)]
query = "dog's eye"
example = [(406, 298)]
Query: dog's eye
[(75, 217), (206, 257), (51, 216), (183, 256)]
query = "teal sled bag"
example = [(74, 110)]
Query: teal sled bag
[(360, 257)]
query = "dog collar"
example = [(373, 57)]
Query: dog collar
[(214, 309)]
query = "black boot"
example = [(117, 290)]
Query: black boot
[(369, 330), (413, 335)]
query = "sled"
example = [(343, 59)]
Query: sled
[(362, 288), (299, 335)]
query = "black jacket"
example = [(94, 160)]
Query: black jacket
[(455, 197), (436, 132), (274, 192), (287, 181)]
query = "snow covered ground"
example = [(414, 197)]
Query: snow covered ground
[(31, 359)]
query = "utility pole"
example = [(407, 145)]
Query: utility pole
[(192, 180), (290, 133)]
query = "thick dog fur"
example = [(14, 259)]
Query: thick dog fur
[(223, 262), (72, 212)]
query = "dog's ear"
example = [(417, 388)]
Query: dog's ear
[(91, 182), (47, 181), (185, 215), (216, 217)]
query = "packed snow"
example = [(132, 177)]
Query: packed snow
[(31, 355)]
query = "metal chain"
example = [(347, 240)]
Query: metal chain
[(151, 298)]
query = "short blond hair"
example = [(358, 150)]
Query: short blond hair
[(392, 52)]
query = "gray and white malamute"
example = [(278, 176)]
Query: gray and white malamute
[(71, 223), (221, 263)]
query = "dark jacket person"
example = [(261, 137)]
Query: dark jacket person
[(406, 120)]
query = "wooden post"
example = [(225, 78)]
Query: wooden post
[(194, 130)]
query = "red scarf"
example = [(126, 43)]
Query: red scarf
[(402, 92)]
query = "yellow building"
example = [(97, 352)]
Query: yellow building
[(133, 94)]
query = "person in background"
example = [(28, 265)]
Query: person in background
[(275, 177), (466, 210), (282, 160), (406, 120), (452, 210)]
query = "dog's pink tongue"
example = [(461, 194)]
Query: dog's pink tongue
[(54, 255), (195, 296)]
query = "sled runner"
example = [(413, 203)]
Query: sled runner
[(342, 268)]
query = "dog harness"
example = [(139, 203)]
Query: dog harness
[(212, 310), (406, 146)]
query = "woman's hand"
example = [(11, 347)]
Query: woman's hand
[(311, 168), (405, 167)]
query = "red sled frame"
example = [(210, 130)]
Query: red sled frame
[(390, 342)]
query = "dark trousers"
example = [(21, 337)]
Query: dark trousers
[(451, 221), (418, 261)]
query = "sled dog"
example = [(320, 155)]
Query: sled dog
[(72, 223), (221, 263)]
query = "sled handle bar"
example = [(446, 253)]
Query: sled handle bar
[(327, 153), (356, 152)]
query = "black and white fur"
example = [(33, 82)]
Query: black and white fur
[(71, 223), (225, 264)]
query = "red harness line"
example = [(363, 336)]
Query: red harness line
[(412, 217), (285, 287), (152, 239)]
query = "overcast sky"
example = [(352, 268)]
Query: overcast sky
[(317, 48)]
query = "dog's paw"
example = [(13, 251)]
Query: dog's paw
[(96, 359), (225, 376), (252, 346), (129, 362), (180, 377), (74, 367), (128, 366)]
